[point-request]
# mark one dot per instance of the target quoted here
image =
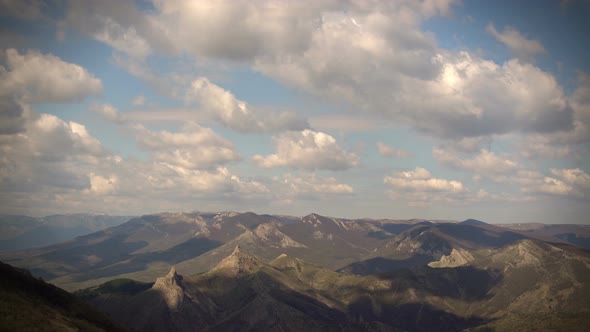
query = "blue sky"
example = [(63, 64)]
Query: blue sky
[(397, 109)]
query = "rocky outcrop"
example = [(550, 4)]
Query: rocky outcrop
[(457, 257), (171, 289), (238, 263), (269, 234)]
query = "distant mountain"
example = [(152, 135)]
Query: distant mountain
[(426, 243), (527, 285), (22, 232), (473, 222), (30, 304), (148, 246), (571, 233)]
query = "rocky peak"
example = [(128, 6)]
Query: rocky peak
[(523, 253), (457, 257), (171, 289), (239, 262)]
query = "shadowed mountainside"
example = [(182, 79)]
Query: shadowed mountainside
[(527, 279), (30, 304)]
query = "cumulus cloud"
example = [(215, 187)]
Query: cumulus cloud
[(375, 57), (563, 182), (519, 45), (56, 165), (420, 180), (418, 186), (236, 114), (580, 103), (307, 149), (311, 183), (477, 97), (166, 177), (194, 147), (539, 148), (390, 151), (103, 184), (123, 39), (571, 182), (565, 143), (33, 77), (45, 78), (407, 79), (52, 153), (485, 162), (12, 115), (108, 112)]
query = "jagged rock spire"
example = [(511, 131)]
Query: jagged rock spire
[(170, 286), (239, 262)]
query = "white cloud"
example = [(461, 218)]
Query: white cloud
[(390, 68), (54, 165), (580, 103), (373, 56), (420, 180), (535, 148), (108, 112), (310, 183), (573, 176), (44, 78), (236, 114), (485, 162), (476, 97), (390, 151), (168, 177), (33, 77), (194, 147), (552, 186), (572, 182), (49, 153), (103, 185), (307, 149), (419, 187), (519, 45), (566, 143), (123, 39)]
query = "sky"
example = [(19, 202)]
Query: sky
[(434, 109)]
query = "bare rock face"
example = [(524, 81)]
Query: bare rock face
[(239, 262), (457, 257), (170, 286)]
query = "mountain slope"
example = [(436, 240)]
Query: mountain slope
[(429, 242), (146, 247), (30, 304), (21, 232)]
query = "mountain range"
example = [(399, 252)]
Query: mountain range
[(24, 232), (228, 271), (526, 285)]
